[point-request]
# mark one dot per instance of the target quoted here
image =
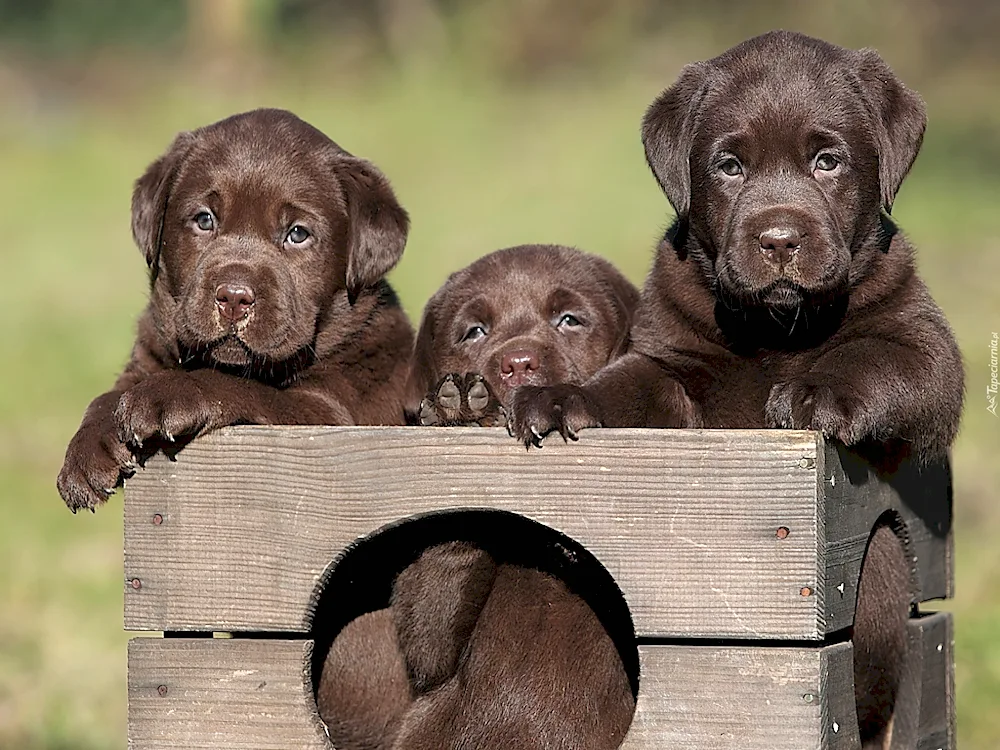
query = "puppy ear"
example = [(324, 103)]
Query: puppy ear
[(378, 224), (625, 298), (668, 134), (900, 118), (150, 196), (422, 374)]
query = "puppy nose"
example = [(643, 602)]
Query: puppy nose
[(233, 300), (517, 365), (779, 244)]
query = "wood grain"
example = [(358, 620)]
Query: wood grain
[(855, 498), (249, 693), (207, 693), (685, 521), (251, 519)]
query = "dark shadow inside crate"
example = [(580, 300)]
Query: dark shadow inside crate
[(361, 579)]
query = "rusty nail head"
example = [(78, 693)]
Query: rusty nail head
[(782, 532), (136, 583), (162, 690), (805, 591), (157, 519)]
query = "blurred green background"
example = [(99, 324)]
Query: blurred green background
[(498, 123)]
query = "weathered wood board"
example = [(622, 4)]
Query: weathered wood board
[(238, 532), (246, 693)]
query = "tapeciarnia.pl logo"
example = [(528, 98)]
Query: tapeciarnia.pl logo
[(991, 389)]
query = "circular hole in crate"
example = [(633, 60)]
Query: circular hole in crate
[(359, 584)]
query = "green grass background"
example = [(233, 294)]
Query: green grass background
[(480, 165)]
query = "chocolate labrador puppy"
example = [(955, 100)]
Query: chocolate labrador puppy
[(783, 294), (266, 244), (534, 314), (494, 653)]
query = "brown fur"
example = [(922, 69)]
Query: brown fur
[(500, 654), (519, 297), (323, 340), (787, 137)]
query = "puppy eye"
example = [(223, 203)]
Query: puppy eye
[(731, 167), (826, 162), (568, 321), (204, 221), (297, 235), (474, 334)]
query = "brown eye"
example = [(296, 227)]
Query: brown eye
[(731, 167), (297, 235), (474, 334), (826, 162), (205, 221)]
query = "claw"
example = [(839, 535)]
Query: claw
[(136, 439), (536, 438)]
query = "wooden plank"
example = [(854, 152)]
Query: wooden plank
[(855, 498), (205, 693), (729, 698), (685, 520), (935, 635), (209, 693)]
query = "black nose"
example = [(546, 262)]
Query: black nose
[(233, 300), (779, 244)]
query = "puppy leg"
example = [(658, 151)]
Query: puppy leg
[(435, 604), (634, 391), (97, 459), (364, 690), (540, 672), (880, 636)]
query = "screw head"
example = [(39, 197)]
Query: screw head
[(782, 532), (805, 591), (157, 519), (809, 698), (162, 690), (135, 583)]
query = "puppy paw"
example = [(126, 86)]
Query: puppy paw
[(816, 403), (462, 400), (537, 411), (167, 405), (96, 462)]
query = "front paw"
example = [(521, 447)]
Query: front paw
[(817, 403), (462, 400), (167, 405), (536, 411), (96, 462)]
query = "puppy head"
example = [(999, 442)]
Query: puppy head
[(779, 157), (253, 226), (535, 314)]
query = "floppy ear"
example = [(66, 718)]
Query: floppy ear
[(625, 298), (899, 118), (422, 371), (378, 224), (150, 196), (668, 134)]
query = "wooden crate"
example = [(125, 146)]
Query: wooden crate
[(737, 551)]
